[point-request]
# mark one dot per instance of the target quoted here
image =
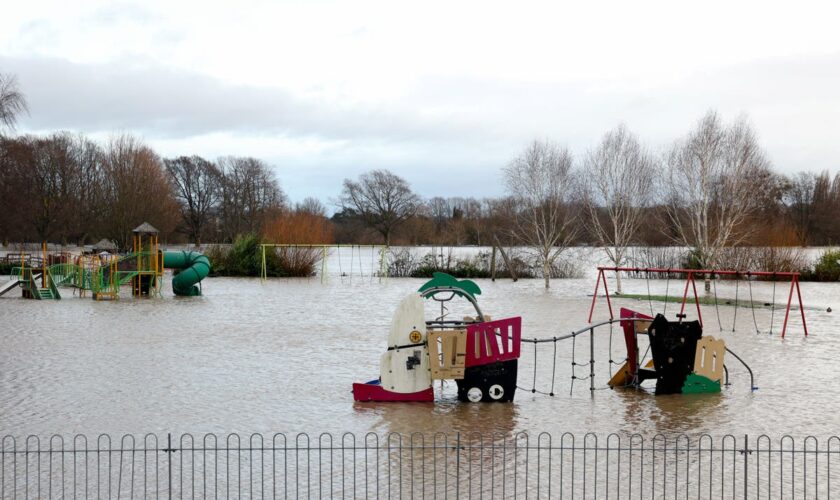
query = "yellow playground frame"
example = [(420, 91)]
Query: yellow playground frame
[(383, 249)]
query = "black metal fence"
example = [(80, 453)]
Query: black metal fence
[(418, 466)]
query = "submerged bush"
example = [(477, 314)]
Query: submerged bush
[(403, 263), (827, 267), (244, 258)]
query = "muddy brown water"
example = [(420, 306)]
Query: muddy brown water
[(281, 356)]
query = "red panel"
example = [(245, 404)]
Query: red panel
[(498, 340), (630, 337), (375, 392)]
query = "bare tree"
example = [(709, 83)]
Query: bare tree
[(249, 193), (618, 186), (799, 198), (135, 189), (539, 181), (12, 101), (382, 199), (196, 184), (312, 206), (718, 179)]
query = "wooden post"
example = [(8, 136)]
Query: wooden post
[(511, 270), (493, 264), (43, 264)]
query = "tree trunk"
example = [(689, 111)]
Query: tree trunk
[(546, 273), (493, 264)]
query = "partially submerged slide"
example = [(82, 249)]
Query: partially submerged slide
[(192, 266)]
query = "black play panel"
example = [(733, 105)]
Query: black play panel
[(490, 378), (673, 345)]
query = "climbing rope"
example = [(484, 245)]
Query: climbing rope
[(773, 304), (647, 282), (372, 251), (574, 364), (752, 306), (361, 271), (717, 309), (340, 272), (553, 368), (609, 365), (572, 384), (534, 386), (735, 316), (352, 249), (667, 285)]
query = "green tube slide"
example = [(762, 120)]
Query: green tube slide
[(192, 267)]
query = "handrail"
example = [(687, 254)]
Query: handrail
[(437, 289), (592, 327), (752, 379), (582, 330)]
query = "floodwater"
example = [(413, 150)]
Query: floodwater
[(281, 356)]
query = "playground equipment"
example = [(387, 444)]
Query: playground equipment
[(479, 354), (482, 355), (104, 275), (682, 360), (192, 268), (27, 277), (355, 258), (691, 274)]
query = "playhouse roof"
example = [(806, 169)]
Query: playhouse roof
[(105, 244), (145, 228)]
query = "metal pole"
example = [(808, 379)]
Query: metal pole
[(746, 468), (324, 264), (592, 361), (169, 461), (264, 273), (457, 465), (787, 309), (595, 295)]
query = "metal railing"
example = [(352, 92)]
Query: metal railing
[(418, 466)]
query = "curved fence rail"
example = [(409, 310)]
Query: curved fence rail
[(418, 466)]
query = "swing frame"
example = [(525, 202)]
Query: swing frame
[(691, 273), (383, 249)]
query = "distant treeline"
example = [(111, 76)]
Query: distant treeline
[(67, 188), (713, 192)]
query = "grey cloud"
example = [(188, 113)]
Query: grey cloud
[(160, 102)]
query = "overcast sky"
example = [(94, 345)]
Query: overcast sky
[(442, 93)]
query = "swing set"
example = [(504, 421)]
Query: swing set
[(324, 249), (691, 274)]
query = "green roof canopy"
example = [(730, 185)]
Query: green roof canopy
[(467, 287)]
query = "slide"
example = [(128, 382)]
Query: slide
[(192, 266)]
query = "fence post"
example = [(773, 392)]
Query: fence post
[(746, 467), (591, 361), (168, 452), (458, 464)]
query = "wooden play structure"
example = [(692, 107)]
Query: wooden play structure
[(682, 360), (148, 261), (480, 354)]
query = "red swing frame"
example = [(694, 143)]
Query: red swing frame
[(794, 284)]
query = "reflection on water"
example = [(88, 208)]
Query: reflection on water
[(447, 416), (282, 357)]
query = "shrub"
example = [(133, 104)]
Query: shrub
[(827, 267), (244, 258), (403, 263)]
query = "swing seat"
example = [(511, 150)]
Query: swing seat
[(623, 378)]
